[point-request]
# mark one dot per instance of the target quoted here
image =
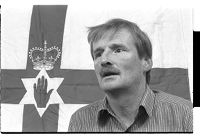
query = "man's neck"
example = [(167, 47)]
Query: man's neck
[(126, 106)]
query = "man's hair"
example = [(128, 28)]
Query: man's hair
[(142, 42)]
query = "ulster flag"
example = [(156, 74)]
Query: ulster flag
[(51, 41)]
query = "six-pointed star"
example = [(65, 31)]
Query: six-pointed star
[(53, 83)]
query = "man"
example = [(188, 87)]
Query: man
[(122, 55)]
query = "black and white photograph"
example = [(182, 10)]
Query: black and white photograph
[(96, 67)]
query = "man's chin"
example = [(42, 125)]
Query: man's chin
[(110, 86), (114, 91), (110, 83)]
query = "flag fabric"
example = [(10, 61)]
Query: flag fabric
[(61, 32)]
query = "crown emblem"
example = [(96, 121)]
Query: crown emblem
[(44, 58)]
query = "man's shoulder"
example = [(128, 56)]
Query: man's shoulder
[(84, 117), (88, 109), (169, 99)]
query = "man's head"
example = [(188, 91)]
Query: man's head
[(122, 54)]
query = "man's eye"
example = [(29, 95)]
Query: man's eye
[(97, 55), (118, 50)]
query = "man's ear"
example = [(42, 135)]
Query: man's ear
[(147, 64)]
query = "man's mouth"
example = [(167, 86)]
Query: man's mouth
[(107, 73)]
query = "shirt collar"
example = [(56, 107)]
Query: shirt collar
[(105, 106), (103, 112), (147, 102)]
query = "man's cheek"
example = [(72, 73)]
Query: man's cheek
[(97, 71), (128, 67)]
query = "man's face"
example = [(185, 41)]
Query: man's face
[(116, 61)]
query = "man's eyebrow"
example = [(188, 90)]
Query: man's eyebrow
[(116, 45)]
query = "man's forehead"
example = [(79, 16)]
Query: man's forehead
[(112, 35)]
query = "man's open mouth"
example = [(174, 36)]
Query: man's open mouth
[(106, 73)]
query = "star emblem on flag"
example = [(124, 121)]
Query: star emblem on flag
[(53, 83)]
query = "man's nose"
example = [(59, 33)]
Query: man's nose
[(105, 60)]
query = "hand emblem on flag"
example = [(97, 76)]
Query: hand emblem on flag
[(40, 92)]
